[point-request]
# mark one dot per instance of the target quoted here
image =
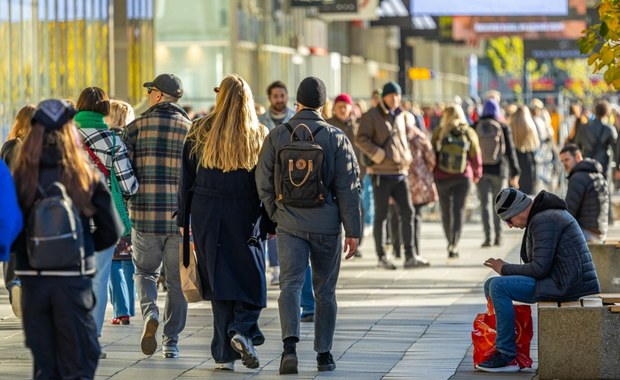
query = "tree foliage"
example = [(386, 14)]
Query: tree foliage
[(506, 55), (602, 42)]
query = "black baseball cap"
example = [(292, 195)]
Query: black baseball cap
[(169, 84)]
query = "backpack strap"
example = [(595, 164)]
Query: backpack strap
[(294, 136)]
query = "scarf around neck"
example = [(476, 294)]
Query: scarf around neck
[(90, 119)]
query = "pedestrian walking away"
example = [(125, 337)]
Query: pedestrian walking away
[(308, 179), (56, 273), (155, 145), (108, 155), (218, 187)]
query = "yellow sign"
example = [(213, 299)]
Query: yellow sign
[(420, 73)]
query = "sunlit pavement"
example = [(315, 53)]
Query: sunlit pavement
[(400, 324)]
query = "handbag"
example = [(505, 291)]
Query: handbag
[(188, 262), (115, 187), (188, 272), (484, 334)]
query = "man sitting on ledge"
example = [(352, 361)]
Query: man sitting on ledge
[(557, 266)]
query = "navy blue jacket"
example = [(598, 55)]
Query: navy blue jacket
[(555, 253), (587, 197)]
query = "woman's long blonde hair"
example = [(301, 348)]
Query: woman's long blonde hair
[(451, 118), (230, 137), (524, 130), (77, 176), (21, 127)]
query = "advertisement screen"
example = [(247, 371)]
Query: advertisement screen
[(490, 7), (569, 26)]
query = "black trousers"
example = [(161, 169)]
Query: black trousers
[(230, 317), (383, 187), (59, 328)]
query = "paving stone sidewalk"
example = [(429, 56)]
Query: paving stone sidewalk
[(402, 324)]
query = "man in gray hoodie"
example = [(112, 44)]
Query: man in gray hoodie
[(311, 232)]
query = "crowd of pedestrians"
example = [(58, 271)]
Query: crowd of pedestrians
[(298, 187)]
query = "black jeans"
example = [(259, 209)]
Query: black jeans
[(383, 188), (452, 196), (230, 317), (488, 187), (394, 224), (59, 328)]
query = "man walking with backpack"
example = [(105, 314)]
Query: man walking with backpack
[(155, 146), (382, 137), (499, 161), (307, 179)]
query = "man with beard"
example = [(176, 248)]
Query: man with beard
[(278, 112)]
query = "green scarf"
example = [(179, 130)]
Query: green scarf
[(90, 119)]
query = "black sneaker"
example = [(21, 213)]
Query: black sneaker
[(385, 263), (498, 241), (486, 243), (416, 262), (499, 362), (288, 364), (245, 348), (325, 362)]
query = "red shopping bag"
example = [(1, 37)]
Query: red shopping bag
[(483, 336)]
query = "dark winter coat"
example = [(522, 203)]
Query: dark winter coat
[(529, 173), (597, 140), (350, 128), (555, 253), (587, 197), (224, 208)]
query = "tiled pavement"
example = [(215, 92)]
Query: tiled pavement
[(402, 324)]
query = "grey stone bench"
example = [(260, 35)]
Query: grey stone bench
[(579, 340), (607, 262)]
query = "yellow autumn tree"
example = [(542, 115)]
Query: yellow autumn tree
[(601, 42)]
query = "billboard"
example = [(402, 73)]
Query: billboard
[(568, 27), (490, 7)]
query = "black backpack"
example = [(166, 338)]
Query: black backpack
[(54, 231), (299, 170)]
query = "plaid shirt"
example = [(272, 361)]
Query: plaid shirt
[(100, 141), (155, 144)]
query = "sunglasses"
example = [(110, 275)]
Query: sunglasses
[(151, 89)]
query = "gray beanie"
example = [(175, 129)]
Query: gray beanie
[(510, 202)]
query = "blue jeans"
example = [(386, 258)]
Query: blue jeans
[(151, 252), (307, 294), (122, 290), (503, 290), (368, 202), (103, 263), (324, 251)]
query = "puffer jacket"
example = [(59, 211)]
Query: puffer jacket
[(555, 253), (384, 140), (587, 197)]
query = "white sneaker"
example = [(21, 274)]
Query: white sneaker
[(228, 366)]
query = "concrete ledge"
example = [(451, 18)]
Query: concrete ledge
[(578, 342), (607, 262)]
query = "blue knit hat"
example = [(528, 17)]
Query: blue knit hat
[(391, 88)]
